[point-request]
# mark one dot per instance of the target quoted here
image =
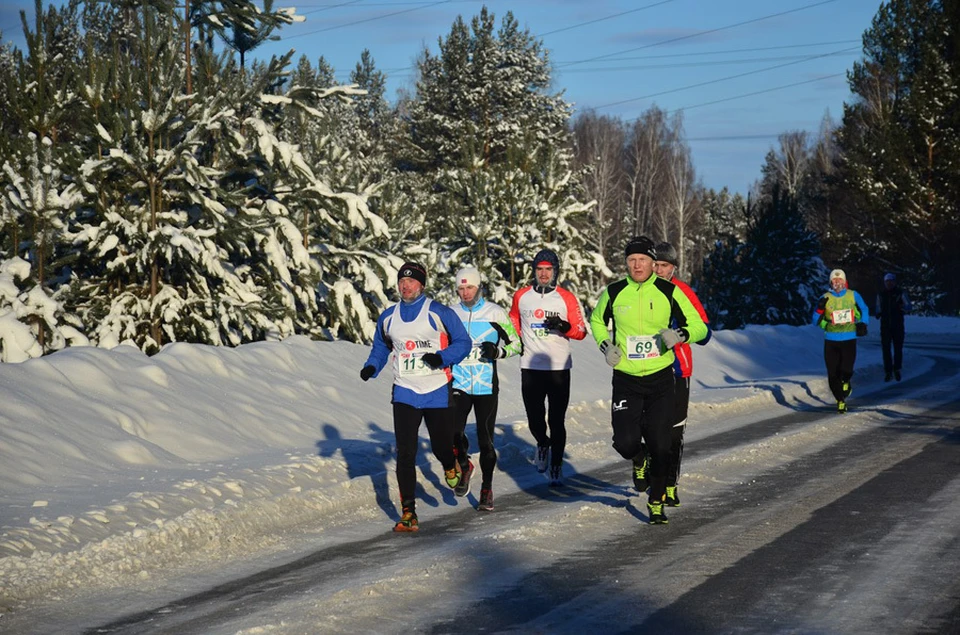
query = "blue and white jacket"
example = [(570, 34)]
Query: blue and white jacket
[(453, 344), (484, 322)]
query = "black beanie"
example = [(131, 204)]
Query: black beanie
[(640, 245), (666, 253), (413, 270)]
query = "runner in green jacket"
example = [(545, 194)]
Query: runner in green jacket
[(631, 324)]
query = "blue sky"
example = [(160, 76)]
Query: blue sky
[(743, 71)]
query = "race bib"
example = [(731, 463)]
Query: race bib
[(540, 330), (473, 359), (411, 365), (842, 316), (642, 347)]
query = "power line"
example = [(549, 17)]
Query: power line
[(392, 71), (609, 17), (702, 33), (377, 17), (760, 92), (728, 51), (754, 60), (714, 81)]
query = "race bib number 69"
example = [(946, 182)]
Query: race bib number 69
[(642, 347)]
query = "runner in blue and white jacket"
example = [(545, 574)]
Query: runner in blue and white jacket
[(425, 339), (475, 379)]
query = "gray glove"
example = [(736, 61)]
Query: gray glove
[(672, 337), (612, 353)]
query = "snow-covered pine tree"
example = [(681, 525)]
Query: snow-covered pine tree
[(158, 217), (900, 141), (343, 236), (774, 277), (490, 139), (41, 199)]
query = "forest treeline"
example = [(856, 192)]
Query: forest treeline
[(160, 184)]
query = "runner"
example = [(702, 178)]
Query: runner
[(476, 384), (666, 267), (547, 317), (843, 316), (426, 338), (637, 323)]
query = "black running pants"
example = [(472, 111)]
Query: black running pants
[(642, 415), (406, 427), (552, 386), (839, 358), (485, 409)]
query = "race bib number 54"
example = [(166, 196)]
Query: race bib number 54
[(843, 316)]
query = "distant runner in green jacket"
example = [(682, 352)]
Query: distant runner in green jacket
[(631, 324)]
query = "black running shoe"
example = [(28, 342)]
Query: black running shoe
[(463, 487), (655, 513), (673, 498), (640, 474)]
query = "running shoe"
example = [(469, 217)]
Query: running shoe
[(543, 455), (486, 500), (408, 521), (655, 513), (453, 475), (639, 471), (672, 499), (463, 487)]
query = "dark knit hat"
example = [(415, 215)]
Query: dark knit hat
[(666, 253), (413, 270), (640, 245)]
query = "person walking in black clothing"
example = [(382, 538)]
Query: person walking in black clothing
[(892, 304)]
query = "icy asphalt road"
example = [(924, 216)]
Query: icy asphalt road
[(805, 522)]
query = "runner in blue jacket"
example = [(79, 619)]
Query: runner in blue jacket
[(843, 316), (475, 381), (426, 338)]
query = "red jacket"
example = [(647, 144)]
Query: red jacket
[(683, 365)]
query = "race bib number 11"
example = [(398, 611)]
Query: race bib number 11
[(411, 365)]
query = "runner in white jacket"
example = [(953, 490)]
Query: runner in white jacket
[(547, 317)]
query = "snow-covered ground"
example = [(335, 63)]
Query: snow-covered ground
[(115, 466)]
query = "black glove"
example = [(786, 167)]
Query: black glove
[(489, 351), (861, 329), (822, 305), (432, 360), (555, 323), (367, 372)]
